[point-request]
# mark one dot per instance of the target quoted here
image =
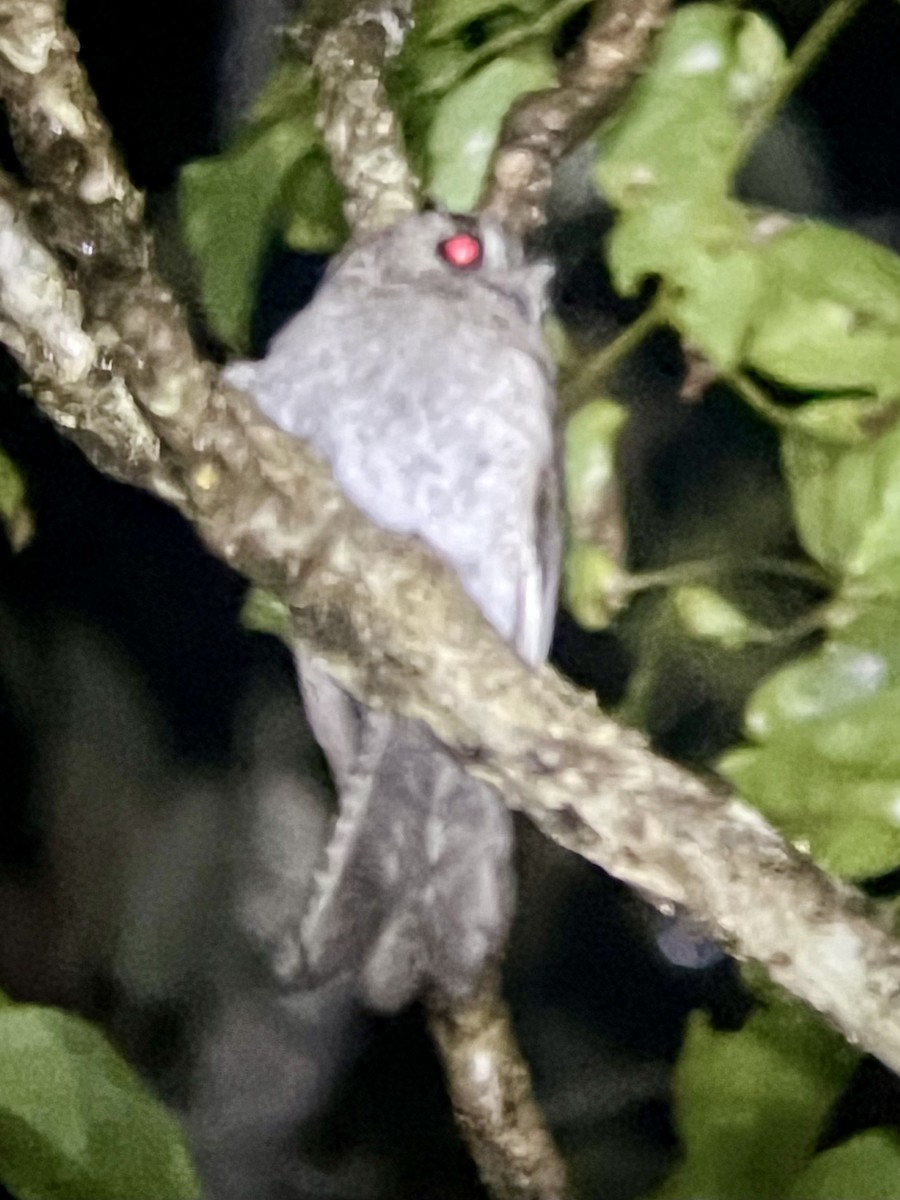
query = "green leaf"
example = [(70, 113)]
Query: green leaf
[(827, 771), (846, 422), (847, 503), (421, 74), (592, 435), (265, 612), (863, 735), (709, 616), (750, 1105), (230, 208), (813, 306), (313, 204), (702, 251), (824, 684), (868, 624), (288, 93), (831, 319), (867, 1167), (75, 1122), (14, 511), (825, 766), (848, 824), (275, 178), (468, 119), (679, 134), (439, 20), (593, 585), (667, 161)]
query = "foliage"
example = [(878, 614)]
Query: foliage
[(265, 613), (593, 579), (460, 69), (814, 310), (750, 1106), (274, 180), (817, 310), (75, 1122), (468, 119), (866, 1167), (14, 512)]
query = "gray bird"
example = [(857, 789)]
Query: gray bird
[(418, 371)]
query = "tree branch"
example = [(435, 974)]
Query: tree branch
[(490, 1088), (543, 126), (361, 131)]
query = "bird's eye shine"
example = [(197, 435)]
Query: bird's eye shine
[(463, 251)]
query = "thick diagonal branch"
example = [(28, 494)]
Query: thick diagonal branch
[(367, 604)]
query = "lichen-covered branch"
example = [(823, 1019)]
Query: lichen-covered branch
[(490, 1089), (54, 112), (360, 129), (41, 315), (82, 206), (544, 126)]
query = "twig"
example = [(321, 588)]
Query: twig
[(705, 570), (597, 368), (542, 26), (490, 1088), (814, 43), (755, 397), (42, 315), (54, 113), (543, 126)]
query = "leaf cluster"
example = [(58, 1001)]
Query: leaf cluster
[(75, 1121)]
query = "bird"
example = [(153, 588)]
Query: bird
[(418, 372)]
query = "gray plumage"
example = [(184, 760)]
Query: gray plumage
[(427, 389)]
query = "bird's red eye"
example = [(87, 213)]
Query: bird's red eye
[(462, 250)]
